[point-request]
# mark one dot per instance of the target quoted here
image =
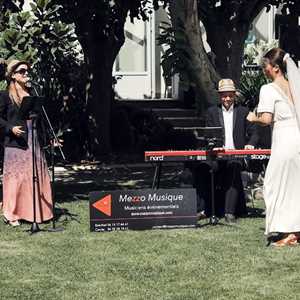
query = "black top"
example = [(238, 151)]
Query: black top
[(10, 117), (244, 132)]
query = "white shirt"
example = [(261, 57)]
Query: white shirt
[(228, 123)]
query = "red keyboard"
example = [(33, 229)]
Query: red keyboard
[(201, 155)]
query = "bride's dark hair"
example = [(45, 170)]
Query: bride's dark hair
[(275, 58)]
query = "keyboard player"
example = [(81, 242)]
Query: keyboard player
[(238, 133)]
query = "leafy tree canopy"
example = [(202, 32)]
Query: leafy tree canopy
[(106, 16), (39, 37), (234, 10)]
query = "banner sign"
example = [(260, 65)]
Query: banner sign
[(143, 209)]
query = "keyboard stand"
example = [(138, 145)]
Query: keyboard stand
[(157, 174), (211, 158), (213, 220)]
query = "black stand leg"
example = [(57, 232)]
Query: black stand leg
[(34, 226), (156, 178), (54, 228), (213, 219)]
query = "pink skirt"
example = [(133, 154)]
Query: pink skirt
[(18, 185)]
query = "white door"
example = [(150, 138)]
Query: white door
[(134, 62), (139, 62)]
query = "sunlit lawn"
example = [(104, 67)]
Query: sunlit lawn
[(210, 262), (220, 262)]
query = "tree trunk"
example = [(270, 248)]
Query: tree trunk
[(99, 95), (99, 56), (100, 45), (227, 27), (203, 73), (227, 43)]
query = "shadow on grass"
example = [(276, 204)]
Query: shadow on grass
[(73, 184), (254, 212), (61, 215)]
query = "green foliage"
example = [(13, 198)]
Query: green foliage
[(252, 76), (2, 85), (227, 7), (106, 17), (251, 81), (51, 46), (41, 38), (253, 53)]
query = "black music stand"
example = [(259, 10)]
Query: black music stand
[(31, 106), (37, 90), (52, 150), (30, 109), (211, 137)]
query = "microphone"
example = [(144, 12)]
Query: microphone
[(34, 87), (28, 84), (31, 83)]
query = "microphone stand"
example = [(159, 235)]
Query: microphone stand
[(34, 226), (55, 142), (211, 143)]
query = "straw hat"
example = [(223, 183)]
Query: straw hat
[(226, 85), (12, 65)]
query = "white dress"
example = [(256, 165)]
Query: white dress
[(282, 178)]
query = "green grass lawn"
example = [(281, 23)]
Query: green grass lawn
[(211, 262)]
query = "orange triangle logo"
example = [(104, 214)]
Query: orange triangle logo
[(104, 205)]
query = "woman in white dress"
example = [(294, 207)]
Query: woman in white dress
[(278, 106)]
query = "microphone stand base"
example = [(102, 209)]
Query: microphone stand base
[(213, 220), (34, 228)]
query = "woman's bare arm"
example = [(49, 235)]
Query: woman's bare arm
[(263, 119)]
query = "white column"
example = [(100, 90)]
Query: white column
[(271, 24), (151, 54)]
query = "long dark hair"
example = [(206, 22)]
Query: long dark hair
[(275, 58)]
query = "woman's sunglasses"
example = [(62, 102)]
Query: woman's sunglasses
[(22, 71)]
